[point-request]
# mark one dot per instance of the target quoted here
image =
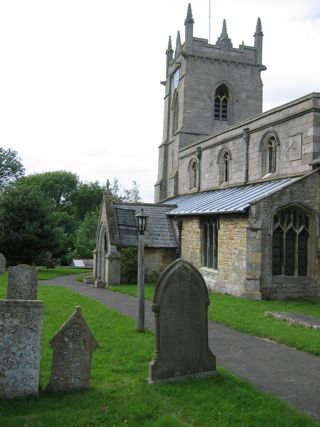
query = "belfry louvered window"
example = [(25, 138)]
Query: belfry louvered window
[(221, 101), (290, 242), (210, 243)]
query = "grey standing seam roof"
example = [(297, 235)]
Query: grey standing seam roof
[(227, 200), (159, 232)]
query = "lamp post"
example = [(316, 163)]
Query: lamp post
[(142, 222)]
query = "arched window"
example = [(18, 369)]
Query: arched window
[(269, 154), (290, 242), (193, 174), (221, 101), (224, 161), (175, 114)]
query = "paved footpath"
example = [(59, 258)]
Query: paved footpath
[(292, 375)]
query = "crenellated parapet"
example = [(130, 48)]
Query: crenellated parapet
[(223, 50)]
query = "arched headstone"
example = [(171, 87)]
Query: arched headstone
[(180, 306)]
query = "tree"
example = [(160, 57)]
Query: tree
[(87, 198), (10, 167), (57, 186), (85, 240), (28, 227), (132, 195), (128, 195)]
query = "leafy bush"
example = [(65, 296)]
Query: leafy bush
[(129, 268)]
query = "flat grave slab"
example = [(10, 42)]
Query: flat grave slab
[(296, 319)]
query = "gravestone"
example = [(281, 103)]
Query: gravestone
[(20, 333), (22, 282), (2, 263), (180, 306), (73, 345)]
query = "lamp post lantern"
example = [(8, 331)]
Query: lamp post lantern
[(142, 223)]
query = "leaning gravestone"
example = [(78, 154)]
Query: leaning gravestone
[(73, 345), (20, 333), (22, 282), (2, 263), (180, 306)]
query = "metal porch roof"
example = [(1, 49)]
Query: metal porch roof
[(227, 200)]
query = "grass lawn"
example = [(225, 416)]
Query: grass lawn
[(120, 395), (52, 273), (248, 316)]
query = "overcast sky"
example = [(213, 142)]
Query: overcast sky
[(80, 79)]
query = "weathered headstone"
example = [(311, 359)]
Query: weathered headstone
[(73, 345), (2, 263), (20, 333), (180, 306), (22, 282)]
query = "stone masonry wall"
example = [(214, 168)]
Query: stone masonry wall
[(296, 127), (191, 241), (230, 277), (232, 236)]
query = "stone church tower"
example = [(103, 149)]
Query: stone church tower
[(207, 89)]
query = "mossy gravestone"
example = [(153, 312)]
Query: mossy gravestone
[(180, 306), (72, 345), (20, 334), (22, 282)]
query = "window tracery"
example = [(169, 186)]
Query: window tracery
[(290, 242), (221, 103)]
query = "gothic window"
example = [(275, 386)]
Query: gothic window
[(269, 155), (176, 78), (290, 242), (221, 101), (224, 161), (193, 174), (210, 243), (175, 114), (271, 162)]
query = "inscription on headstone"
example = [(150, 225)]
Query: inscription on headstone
[(73, 345), (180, 305), (20, 333), (2, 263), (22, 282)]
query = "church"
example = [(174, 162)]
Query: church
[(238, 189)]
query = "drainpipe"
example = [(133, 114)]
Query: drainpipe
[(246, 137), (199, 154)]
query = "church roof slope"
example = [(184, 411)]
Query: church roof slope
[(159, 232), (227, 200)]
